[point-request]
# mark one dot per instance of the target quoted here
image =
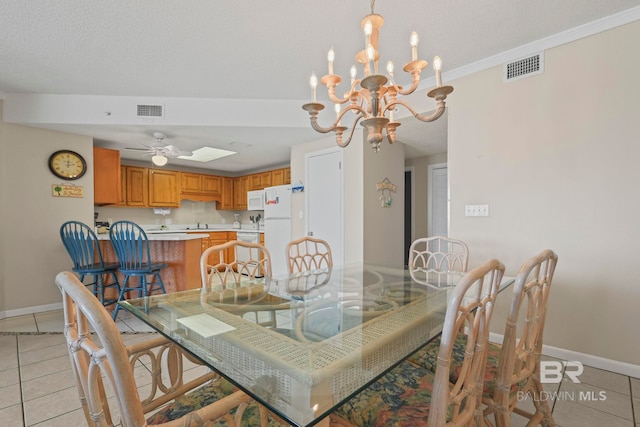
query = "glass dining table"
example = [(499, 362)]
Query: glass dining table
[(305, 343)]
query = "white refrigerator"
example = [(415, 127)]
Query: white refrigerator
[(277, 226)]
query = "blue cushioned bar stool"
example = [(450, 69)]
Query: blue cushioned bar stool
[(131, 245), (82, 245)]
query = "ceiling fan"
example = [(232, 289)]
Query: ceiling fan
[(160, 152)]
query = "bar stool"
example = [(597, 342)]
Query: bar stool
[(131, 245), (82, 245)]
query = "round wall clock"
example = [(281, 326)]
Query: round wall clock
[(67, 164)]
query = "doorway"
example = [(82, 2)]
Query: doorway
[(438, 200), (408, 212), (324, 199)]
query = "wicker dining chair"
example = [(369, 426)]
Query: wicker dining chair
[(413, 396), (103, 366), (512, 372), (131, 246), (439, 254), (240, 280), (84, 249), (308, 254)]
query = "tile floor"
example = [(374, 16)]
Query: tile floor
[(37, 388)]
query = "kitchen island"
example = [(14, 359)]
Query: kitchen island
[(180, 251)]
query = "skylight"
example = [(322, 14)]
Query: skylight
[(207, 154)]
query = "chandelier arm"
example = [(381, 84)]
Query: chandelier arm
[(353, 128), (336, 100), (317, 127), (415, 81), (349, 108), (335, 125), (440, 107)]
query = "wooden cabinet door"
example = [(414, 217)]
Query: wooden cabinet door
[(227, 194), (106, 176), (287, 175), (240, 188), (277, 177), (137, 186), (190, 182), (211, 184), (163, 188), (123, 186), (255, 182), (265, 180)]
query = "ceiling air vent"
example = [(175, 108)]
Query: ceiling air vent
[(150, 111), (525, 67)]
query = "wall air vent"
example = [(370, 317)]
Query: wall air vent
[(150, 111), (525, 67)]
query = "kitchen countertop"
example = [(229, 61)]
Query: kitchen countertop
[(170, 235), (151, 231)]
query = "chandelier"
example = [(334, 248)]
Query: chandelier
[(375, 95)]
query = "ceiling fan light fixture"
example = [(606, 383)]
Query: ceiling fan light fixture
[(159, 160)]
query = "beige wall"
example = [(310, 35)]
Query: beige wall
[(32, 253), (556, 158), (383, 226)]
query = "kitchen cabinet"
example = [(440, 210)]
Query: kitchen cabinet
[(228, 196), (191, 183), (281, 176), (163, 188), (106, 176), (259, 181), (197, 183), (240, 188), (123, 186), (212, 184), (137, 186), (277, 177)]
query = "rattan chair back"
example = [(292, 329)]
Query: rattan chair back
[(519, 361), (437, 254), (469, 313), (103, 366), (308, 254)]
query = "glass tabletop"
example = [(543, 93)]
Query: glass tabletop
[(303, 344)]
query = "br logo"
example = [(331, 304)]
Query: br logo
[(552, 371)]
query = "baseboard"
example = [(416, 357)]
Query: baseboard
[(598, 362), (30, 310)]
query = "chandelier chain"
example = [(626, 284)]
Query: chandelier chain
[(372, 4)]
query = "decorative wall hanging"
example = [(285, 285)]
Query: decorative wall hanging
[(386, 188), (66, 190)]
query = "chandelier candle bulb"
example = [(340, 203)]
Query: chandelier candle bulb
[(368, 28), (331, 56), (354, 71), (437, 66), (413, 40), (313, 81), (338, 109), (390, 68), (371, 53)]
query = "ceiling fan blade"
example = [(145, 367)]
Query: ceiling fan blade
[(137, 149)]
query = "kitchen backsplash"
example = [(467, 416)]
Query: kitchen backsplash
[(189, 212)]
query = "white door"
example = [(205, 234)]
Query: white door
[(323, 191), (438, 201)]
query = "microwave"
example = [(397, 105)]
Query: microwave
[(255, 200)]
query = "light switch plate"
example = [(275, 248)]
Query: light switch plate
[(476, 210)]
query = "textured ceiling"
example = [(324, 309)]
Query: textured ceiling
[(253, 52)]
